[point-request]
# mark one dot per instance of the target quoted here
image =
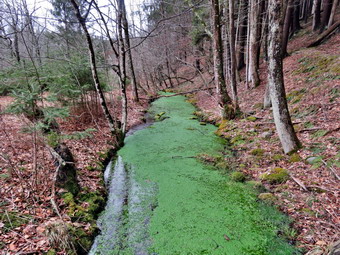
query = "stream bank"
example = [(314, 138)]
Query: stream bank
[(164, 201)]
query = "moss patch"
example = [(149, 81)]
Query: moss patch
[(257, 152), (268, 198), (295, 157), (276, 176)]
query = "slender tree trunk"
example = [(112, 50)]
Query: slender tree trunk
[(114, 132), (296, 18), (331, 18), (129, 55), (316, 14), (242, 35), (233, 69), (281, 114), (122, 62), (327, 8), (254, 43), (286, 26), (224, 100)]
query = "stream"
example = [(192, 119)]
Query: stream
[(162, 200)]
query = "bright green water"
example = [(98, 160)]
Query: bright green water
[(194, 207)]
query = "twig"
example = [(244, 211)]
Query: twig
[(183, 157), (299, 183), (331, 169), (9, 220), (309, 129), (54, 204), (183, 93)]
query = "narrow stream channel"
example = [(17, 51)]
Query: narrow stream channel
[(163, 201)]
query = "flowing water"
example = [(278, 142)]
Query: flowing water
[(163, 201)]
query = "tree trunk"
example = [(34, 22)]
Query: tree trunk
[(327, 8), (286, 27), (232, 55), (224, 100), (129, 54), (316, 14), (242, 35), (115, 132), (331, 18), (267, 103), (254, 43), (296, 18), (282, 118)]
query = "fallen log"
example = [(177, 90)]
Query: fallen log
[(324, 35), (184, 93)]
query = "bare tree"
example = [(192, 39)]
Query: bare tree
[(281, 114), (129, 53), (224, 100), (115, 130)]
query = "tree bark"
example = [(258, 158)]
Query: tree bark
[(327, 7), (281, 114), (129, 54), (316, 14), (242, 35), (224, 100), (122, 62), (331, 18), (267, 103), (232, 55), (286, 27), (296, 18), (253, 43)]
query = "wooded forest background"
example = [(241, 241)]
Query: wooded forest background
[(91, 70)]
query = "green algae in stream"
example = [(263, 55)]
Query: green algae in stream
[(198, 210)]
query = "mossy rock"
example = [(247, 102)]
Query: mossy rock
[(276, 176), (238, 176), (257, 152), (295, 157), (267, 197)]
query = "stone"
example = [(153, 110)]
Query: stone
[(266, 134), (311, 160)]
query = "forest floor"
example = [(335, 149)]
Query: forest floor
[(27, 169), (312, 83)]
